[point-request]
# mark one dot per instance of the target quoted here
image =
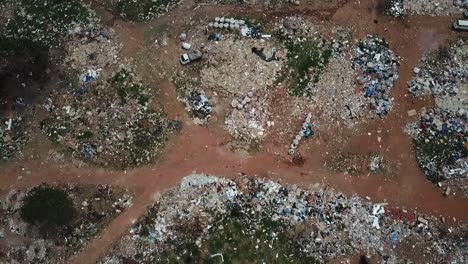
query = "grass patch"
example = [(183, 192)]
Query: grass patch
[(143, 10), (236, 239), (306, 60), (128, 87), (47, 22)]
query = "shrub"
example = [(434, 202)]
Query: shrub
[(48, 207)]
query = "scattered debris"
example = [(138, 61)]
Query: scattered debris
[(13, 137), (433, 8), (112, 125), (379, 67), (305, 132), (24, 243), (201, 218)]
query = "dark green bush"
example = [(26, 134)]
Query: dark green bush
[(48, 207)]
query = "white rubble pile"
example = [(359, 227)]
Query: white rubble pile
[(397, 8), (249, 117), (244, 79), (95, 53), (433, 7), (336, 101), (233, 70), (442, 73), (338, 225)]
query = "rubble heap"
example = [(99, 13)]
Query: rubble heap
[(379, 68), (194, 222), (95, 51), (111, 125), (12, 137), (22, 243), (461, 3), (440, 138), (397, 8), (433, 8), (197, 102), (233, 71), (442, 73), (249, 119), (336, 101), (440, 135), (305, 132)]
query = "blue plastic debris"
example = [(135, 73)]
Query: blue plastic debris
[(309, 132), (394, 238), (91, 75)]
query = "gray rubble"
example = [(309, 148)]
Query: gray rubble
[(443, 72), (334, 225), (13, 136), (379, 70), (433, 7)]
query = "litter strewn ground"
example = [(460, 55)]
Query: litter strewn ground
[(13, 137), (21, 242), (199, 221), (433, 8), (439, 135)]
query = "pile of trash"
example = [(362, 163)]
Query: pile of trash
[(249, 119), (397, 8), (443, 72), (441, 140), (355, 164), (22, 243), (440, 135), (242, 78), (461, 3), (112, 124), (378, 66), (197, 103), (92, 52), (305, 132), (318, 223), (433, 8), (13, 137)]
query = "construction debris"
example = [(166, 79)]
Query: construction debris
[(13, 137), (110, 126), (195, 220), (379, 68), (305, 132)]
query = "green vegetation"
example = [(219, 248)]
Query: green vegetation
[(239, 240), (46, 22), (306, 61), (48, 207), (433, 152), (143, 10), (128, 87)]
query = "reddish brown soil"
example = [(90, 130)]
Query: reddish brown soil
[(200, 149)]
